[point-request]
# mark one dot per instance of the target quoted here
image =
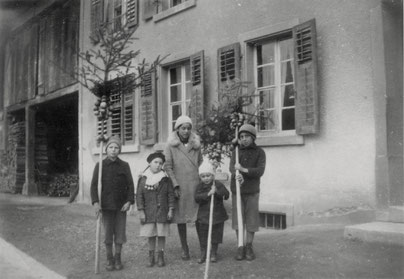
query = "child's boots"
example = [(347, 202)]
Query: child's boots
[(110, 258), (249, 252), (118, 263), (160, 258), (151, 259), (202, 259), (213, 253)]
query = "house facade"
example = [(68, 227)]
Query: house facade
[(322, 78)]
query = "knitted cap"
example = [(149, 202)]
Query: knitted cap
[(182, 120), (206, 167), (249, 129), (114, 139), (155, 155)]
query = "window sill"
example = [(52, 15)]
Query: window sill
[(174, 10), (280, 140), (133, 148)]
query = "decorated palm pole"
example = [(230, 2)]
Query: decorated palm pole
[(212, 201), (236, 121), (101, 110)]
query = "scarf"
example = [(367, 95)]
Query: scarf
[(152, 179)]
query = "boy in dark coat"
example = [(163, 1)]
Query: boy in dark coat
[(117, 195), (155, 202), (251, 166), (203, 193)]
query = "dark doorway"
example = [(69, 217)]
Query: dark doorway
[(56, 146)]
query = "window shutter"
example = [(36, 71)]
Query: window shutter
[(307, 111), (97, 17), (228, 62), (149, 9), (128, 115), (197, 82), (132, 12), (32, 68), (148, 112)]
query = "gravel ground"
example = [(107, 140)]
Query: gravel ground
[(62, 237)]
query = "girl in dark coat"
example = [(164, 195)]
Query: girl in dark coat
[(203, 193), (155, 202)]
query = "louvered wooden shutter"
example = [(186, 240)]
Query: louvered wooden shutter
[(197, 82), (306, 112), (128, 113), (148, 110), (132, 12), (149, 9), (228, 62), (97, 17)]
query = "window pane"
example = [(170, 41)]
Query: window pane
[(288, 95), (175, 93), (266, 53), (266, 99), (189, 91), (286, 48), (267, 120), (175, 75), (287, 72), (266, 76), (288, 119), (176, 112), (187, 72)]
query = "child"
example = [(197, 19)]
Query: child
[(205, 189), (155, 202), (251, 167), (117, 195)]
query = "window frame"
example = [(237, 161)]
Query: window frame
[(247, 40), (277, 84)]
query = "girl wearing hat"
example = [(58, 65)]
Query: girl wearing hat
[(183, 157), (203, 193), (117, 195), (251, 166), (155, 202)]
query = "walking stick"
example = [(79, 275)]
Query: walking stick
[(212, 201), (238, 199), (98, 230)]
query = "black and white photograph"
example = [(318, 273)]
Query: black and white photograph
[(201, 139)]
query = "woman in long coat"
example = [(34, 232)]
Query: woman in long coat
[(183, 157)]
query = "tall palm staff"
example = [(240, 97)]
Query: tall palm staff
[(212, 201)]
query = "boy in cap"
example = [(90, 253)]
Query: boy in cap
[(205, 189), (155, 203), (251, 166), (117, 195)]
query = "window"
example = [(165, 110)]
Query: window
[(274, 83), (160, 9), (114, 13), (182, 92), (281, 70), (121, 120), (179, 91)]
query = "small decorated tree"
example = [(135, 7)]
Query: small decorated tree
[(218, 129), (112, 64)]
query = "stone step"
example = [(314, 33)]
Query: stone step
[(394, 214), (384, 232)]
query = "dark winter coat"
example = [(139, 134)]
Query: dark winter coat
[(253, 158), (202, 198), (117, 184), (157, 202)]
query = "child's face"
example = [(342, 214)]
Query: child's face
[(206, 178), (246, 139), (185, 130), (112, 151), (156, 165)]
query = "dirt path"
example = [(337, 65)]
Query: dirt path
[(61, 236)]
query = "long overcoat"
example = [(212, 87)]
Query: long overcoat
[(182, 163)]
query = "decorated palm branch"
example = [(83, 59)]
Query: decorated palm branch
[(109, 66)]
